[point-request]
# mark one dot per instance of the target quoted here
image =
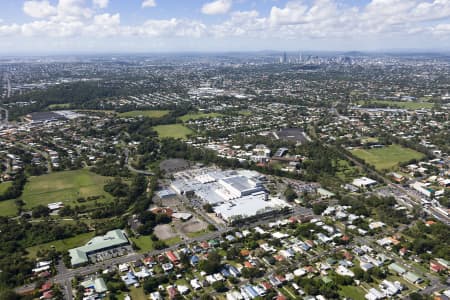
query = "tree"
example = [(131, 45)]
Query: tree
[(40, 211), (318, 208), (208, 208), (211, 264), (219, 287), (290, 194)]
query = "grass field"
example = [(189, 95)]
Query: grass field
[(245, 113), (4, 186), (145, 113), (352, 292), (172, 241), (369, 140), (144, 243), (64, 186), (177, 131), (402, 104), (198, 233), (134, 293), (62, 245), (196, 116), (387, 157), (346, 172), (59, 106), (8, 208)]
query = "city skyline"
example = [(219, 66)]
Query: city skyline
[(97, 26)]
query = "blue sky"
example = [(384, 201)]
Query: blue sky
[(58, 26)]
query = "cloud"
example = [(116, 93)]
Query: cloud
[(6, 30), (39, 9), (73, 9), (104, 25), (149, 3), (328, 20), (217, 7), (168, 28), (100, 3)]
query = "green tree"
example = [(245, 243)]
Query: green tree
[(290, 194)]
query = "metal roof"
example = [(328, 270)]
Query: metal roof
[(111, 239)]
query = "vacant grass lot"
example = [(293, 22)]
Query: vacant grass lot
[(144, 243), (145, 113), (196, 116), (346, 172), (352, 292), (134, 293), (62, 245), (59, 106), (402, 104), (387, 157), (172, 241), (198, 233), (66, 187), (177, 131)]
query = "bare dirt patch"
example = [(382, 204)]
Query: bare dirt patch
[(164, 232), (193, 225)]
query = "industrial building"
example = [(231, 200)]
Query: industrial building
[(51, 116), (363, 182), (296, 135), (111, 240), (234, 195)]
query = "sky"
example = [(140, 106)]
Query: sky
[(141, 26)]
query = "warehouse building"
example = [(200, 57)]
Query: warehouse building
[(111, 240), (234, 195)]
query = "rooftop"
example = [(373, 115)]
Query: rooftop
[(111, 239)]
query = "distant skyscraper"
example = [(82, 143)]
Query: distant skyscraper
[(283, 59)]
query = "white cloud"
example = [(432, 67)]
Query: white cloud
[(168, 28), (242, 23), (9, 29), (73, 9), (217, 7), (100, 3), (296, 20), (149, 3), (39, 9), (104, 25)]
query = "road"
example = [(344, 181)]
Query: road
[(43, 153), (415, 199), (435, 283), (65, 276), (133, 169)]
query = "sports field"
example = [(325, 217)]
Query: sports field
[(387, 157), (197, 116), (402, 104), (177, 131), (65, 186), (145, 113)]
